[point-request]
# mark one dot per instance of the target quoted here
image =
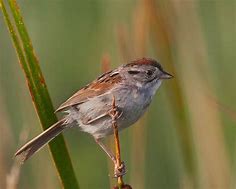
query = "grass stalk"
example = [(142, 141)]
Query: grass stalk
[(39, 93), (120, 182), (161, 33)]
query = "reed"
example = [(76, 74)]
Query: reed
[(39, 93)]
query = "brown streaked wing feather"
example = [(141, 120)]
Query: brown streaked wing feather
[(98, 87)]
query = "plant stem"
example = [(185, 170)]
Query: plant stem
[(39, 93), (120, 181)]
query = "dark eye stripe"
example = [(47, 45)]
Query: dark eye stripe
[(133, 72)]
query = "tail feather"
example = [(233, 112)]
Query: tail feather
[(30, 148)]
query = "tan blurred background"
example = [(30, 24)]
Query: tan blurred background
[(187, 138)]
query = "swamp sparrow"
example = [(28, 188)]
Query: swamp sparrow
[(132, 86)]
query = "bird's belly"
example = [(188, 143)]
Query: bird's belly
[(133, 109), (131, 106)]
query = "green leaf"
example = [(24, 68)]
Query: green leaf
[(40, 95)]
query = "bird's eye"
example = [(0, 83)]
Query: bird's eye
[(133, 72), (149, 72)]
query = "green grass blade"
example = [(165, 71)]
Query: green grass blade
[(39, 93)]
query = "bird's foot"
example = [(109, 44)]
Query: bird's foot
[(115, 113), (119, 170)]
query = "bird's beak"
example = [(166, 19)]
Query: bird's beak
[(165, 75)]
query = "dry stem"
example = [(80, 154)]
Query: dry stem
[(120, 181)]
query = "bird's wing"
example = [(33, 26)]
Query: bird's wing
[(98, 87)]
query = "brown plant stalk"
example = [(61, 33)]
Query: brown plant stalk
[(120, 182)]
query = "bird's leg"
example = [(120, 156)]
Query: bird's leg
[(107, 151), (119, 169)]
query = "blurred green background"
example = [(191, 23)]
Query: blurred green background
[(186, 139)]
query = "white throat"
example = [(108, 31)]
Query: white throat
[(155, 87)]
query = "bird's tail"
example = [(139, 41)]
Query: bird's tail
[(31, 147)]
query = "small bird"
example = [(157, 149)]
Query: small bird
[(132, 86)]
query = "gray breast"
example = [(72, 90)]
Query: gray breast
[(131, 101)]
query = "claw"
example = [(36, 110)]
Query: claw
[(119, 170), (115, 114)]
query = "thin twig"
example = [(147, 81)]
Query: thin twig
[(12, 178), (120, 181)]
